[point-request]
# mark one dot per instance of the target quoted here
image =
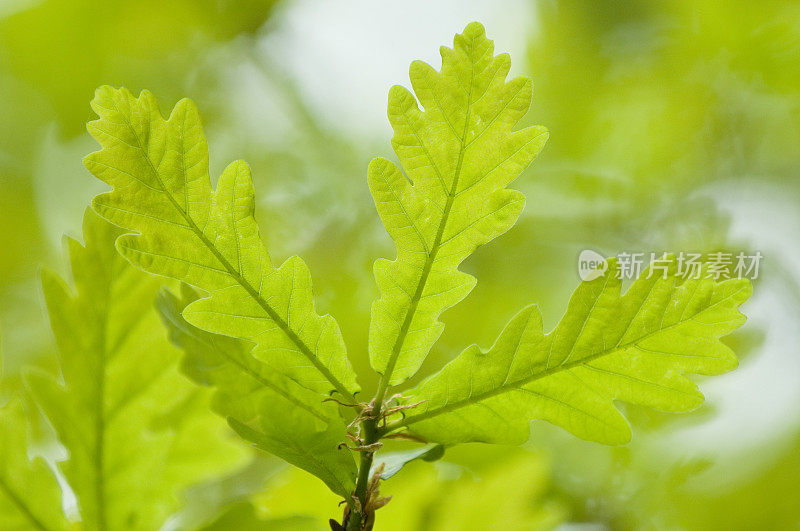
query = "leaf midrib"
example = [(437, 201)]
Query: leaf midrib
[(304, 349), (517, 384), (415, 300)]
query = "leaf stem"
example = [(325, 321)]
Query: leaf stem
[(365, 466)]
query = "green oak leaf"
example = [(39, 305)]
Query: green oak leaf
[(458, 153), (30, 497), (209, 239), (263, 406), (634, 347), (137, 432)]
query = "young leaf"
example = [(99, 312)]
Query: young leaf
[(137, 432), (161, 190), (30, 497), (459, 153), (264, 407), (635, 348), (393, 462)]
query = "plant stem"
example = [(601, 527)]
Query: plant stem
[(371, 436)]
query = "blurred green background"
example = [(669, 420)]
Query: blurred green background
[(674, 126)]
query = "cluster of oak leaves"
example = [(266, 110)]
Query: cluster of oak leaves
[(137, 431)]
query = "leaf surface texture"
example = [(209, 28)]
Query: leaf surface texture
[(265, 407), (136, 431), (635, 347), (459, 152), (209, 239), (30, 497)]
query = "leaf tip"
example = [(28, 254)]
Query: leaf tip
[(473, 30)]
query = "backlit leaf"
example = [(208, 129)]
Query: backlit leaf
[(459, 152), (136, 431), (265, 407), (161, 190), (30, 497), (635, 347)]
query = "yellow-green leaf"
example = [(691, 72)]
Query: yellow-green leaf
[(265, 407), (459, 152), (635, 347), (161, 191), (136, 431), (30, 497)]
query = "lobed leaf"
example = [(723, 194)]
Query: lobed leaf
[(161, 190), (263, 406), (634, 347), (137, 432), (459, 153)]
